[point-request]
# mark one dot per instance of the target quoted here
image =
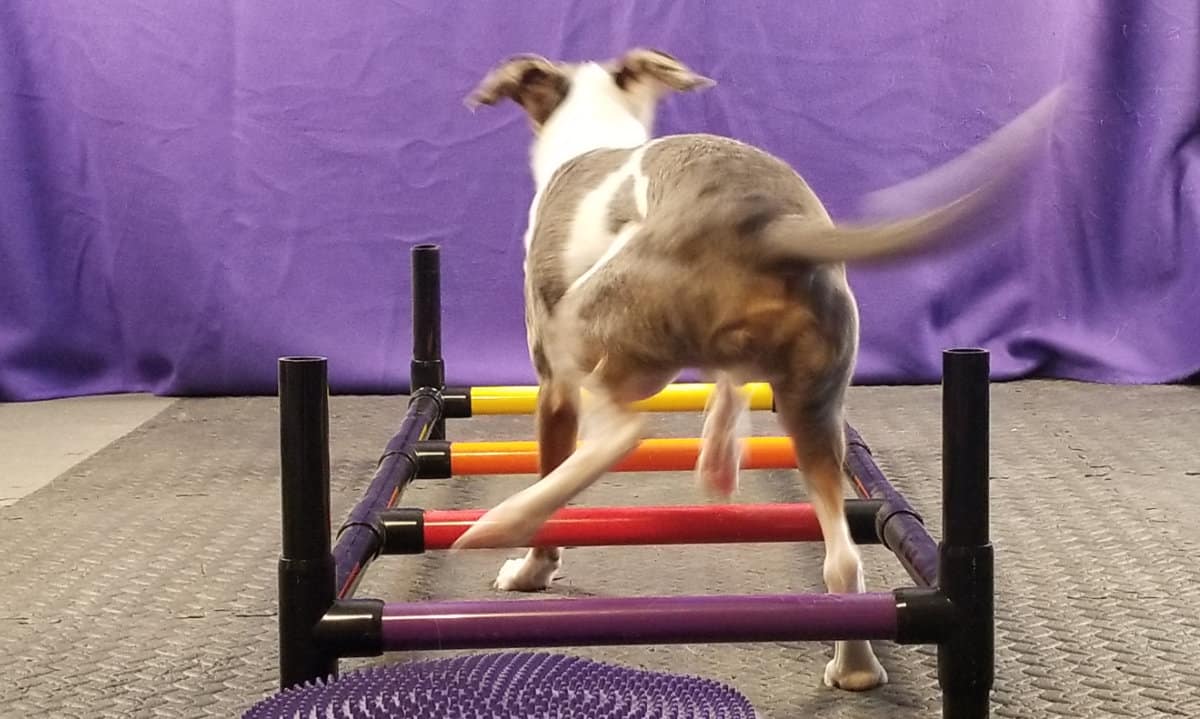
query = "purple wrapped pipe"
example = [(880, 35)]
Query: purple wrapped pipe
[(497, 624), (901, 527)]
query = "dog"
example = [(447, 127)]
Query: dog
[(645, 257)]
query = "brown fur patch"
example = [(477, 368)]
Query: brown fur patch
[(536, 84), (650, 66)]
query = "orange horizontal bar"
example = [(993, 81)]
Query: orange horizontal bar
[(652, 455)]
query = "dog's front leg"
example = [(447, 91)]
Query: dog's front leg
[(557, 421), (515, 521)]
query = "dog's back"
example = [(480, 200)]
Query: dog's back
[(695, 193)]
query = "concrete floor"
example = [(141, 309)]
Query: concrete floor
[(142, 582), (41, 440)]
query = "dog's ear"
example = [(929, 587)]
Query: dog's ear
[(531, 81), (658, 70)]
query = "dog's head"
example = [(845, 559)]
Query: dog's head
[(634, 82)]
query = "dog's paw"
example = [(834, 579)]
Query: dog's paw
[(531, 573), (854, 668)]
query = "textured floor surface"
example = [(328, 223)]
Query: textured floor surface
[(141, 582), (41, 440)]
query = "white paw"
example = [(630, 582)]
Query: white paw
[(854, 668), (531, 573)]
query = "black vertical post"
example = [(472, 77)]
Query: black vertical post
[(306, 569), (965, 562), (427, 368)]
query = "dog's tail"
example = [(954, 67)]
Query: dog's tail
[(797, 237), (960, 190)]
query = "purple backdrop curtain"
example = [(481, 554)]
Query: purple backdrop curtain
[(190, 189)]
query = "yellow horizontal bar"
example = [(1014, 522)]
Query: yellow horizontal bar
[(680, 397)]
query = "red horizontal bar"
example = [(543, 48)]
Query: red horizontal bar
[(622, 526)]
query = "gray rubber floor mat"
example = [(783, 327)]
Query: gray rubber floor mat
[(141, 584)]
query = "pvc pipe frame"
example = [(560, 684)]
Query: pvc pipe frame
[(954, 609), (359, 540)]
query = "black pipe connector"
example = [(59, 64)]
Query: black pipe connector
[(458, 402), (403, 530), (923, 616), (352, 628), (861, 515), (305, 593), (966, 658), (433, 459)]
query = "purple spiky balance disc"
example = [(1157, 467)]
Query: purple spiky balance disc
[(499, 686)]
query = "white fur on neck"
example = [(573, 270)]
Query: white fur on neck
[(596, 114)]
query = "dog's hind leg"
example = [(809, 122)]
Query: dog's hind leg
[(557, 421), (721, 441), (817, 431)]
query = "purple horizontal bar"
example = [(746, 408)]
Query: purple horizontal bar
[(518, 623)]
